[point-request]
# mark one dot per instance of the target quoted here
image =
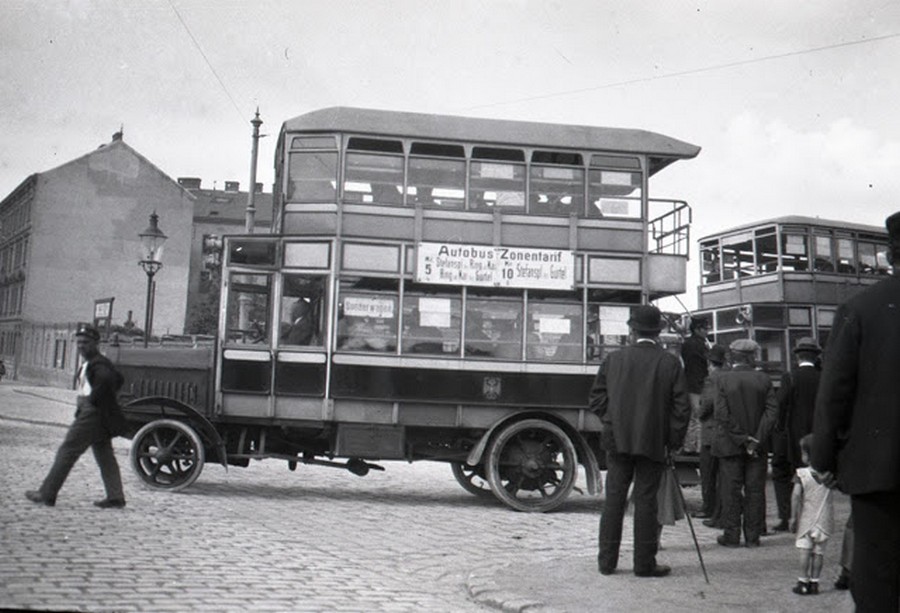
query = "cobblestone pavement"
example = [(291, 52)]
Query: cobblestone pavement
[(259, 538)]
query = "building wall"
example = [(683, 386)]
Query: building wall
[(84, 242)]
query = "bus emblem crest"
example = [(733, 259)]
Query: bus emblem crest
[(492, 388)]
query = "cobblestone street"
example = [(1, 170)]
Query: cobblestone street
[(259, 538)]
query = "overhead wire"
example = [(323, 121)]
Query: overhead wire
[(682, 73), (206, 59)]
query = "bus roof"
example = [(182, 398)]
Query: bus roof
[(662, 150), (800, 220)]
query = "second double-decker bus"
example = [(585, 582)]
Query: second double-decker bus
[(434, 288), (778, 280)]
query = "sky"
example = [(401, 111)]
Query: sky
[(793, 103)]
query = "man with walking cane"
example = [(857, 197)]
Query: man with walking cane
[(640, 395)]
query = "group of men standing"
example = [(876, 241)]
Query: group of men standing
[(646, 402)]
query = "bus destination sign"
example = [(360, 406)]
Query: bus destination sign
[(489, 266)]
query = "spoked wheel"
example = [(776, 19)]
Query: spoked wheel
[(471, 478), (532, 465), (167, 454)]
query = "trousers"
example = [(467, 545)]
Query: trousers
[(875, 577), (86, 431), (743, 498), (622, 469)]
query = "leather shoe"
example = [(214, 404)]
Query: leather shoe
[(781, 526), (35, 496), (711, 523), (701, 515), (754, 543), (843, 581), (108, 503), (607, 571), (724, 542), (660, 570)]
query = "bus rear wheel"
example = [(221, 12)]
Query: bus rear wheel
[(532, 465), (167, 455)]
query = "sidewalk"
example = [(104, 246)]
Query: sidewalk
[(59, 412)]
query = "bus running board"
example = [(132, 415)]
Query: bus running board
[(354, 465)]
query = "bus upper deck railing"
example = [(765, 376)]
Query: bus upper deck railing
[(670, 232)]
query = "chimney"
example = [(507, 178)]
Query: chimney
[(117, 136), (232, 186), (189, 182), (259, 188)]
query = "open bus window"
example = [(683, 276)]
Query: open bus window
[(794, 252), (614, 193), (554, 332), (431, 323), (301, 310), (367, 321), (437, 181), (607, 330), (737, 256), (248, 311), (494, 328), (711, 262), (557, 189), (312, 176), (766, 250)]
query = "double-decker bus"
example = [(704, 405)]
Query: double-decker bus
[(778, 280), (435, 288)]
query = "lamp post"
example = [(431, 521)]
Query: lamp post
[(152, 240)]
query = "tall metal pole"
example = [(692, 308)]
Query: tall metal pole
[(251, 197), (148, 311)]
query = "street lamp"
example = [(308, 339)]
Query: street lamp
[(152, 240)]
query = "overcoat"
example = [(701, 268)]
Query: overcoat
[(745, 406), (857, 418), (640, 395), (796, 406)]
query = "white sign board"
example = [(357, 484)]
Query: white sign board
[(487, 266)]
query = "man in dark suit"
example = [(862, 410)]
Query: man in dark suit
[(796, 404), (709, 464), (98, 418), (640, 395), (745, 413), (857, 430), (694, 353)]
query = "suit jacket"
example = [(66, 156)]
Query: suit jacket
[(857, 417), (640, 396), (745, 406), (694, 353), (707, 408), (105, 383), (796, 405)]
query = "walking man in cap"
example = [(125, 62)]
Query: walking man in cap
[(745, 412), (98, 419), (857, 430), (640, 396), (796, 404)]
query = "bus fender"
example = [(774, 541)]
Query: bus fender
[(585, 453), (206, 426)]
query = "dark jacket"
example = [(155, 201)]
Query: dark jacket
[(745, 406), (796, 405), (105, 383), (857, 418), (707, 408), (694, 353), (640, 396)]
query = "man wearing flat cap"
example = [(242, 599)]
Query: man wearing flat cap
[(796, 404), (640, 396), (745, 412), (709, 464), (98, 418), (857, 430)]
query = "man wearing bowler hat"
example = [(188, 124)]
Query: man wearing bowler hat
[(745, 412), (857, 430), (640, 396), (796, 404), (98, 418)]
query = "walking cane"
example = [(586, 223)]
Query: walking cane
[(688, 517)]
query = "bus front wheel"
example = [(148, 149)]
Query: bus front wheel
[(167, 454), (471, 478), (532, 465)]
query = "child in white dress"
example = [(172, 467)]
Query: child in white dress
[(813, 522)]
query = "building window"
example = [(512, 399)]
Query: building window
[(59, 354)]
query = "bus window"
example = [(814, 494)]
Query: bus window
[(766, 250), (431, 323), (711, 263), (737, 256), (496, 179), (554, 332), (607, 330), (301, 310), (494, 328), (371, 178), (367, 320), (846, 260), (614, 193), (312, 176), (873, 259), (772, 356), (794, 251), (558, 189), (437, 181), (824, 257), (248, 309)]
